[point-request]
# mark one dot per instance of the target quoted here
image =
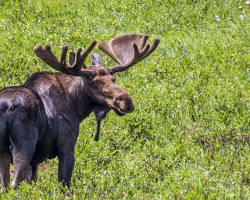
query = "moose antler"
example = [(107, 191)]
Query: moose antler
[(76, 60), (128, 50)]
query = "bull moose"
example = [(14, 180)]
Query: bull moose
[(40, 119)]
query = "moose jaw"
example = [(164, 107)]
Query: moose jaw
[(40, 119)]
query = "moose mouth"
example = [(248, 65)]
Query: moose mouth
[(118, 111)]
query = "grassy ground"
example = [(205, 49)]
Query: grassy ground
[(189, 135)]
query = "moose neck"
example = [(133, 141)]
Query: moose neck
[(84, 104), (81, 99), (78, 95), (62, 94)]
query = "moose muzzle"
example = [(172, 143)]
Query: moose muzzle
[(123, 104)]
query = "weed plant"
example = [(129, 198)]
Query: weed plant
[(188, 137)]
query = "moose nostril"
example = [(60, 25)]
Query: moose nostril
[(117, 102)]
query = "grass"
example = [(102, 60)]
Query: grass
[(188, 137)]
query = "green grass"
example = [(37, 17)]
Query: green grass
[(188, 137)]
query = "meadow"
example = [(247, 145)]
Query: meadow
[(188, 137)]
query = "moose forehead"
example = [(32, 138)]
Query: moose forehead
[(100, 70)]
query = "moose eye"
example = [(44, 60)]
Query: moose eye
[(108, 95), (96, 83)]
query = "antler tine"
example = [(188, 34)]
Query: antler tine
[(153, 46), (72, 56), (77, 65), (144, 41), (46, 55), (64, 54), (75, 60), (145, 49), (85, 53)]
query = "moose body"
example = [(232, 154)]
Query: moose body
[(40, 120)]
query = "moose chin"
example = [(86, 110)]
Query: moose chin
[(40, 119)]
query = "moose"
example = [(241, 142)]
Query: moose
[(40, 119)]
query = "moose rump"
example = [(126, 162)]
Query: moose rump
[(22, 123)]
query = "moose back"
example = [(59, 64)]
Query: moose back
[(40, 119)]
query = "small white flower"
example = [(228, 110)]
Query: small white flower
[(247, 3), (241, 17), (240, 7), (217, 18)]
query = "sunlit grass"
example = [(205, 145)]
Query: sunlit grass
[(188, 137)]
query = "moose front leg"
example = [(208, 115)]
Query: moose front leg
[(66, 165)]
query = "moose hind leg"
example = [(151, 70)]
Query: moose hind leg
[(21, 159), (5, 160), (31, 175), (20, 168), (5, 156), (23, 141)]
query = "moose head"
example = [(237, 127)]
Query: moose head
[(126, 50)]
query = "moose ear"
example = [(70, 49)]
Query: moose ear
[(96, 59)]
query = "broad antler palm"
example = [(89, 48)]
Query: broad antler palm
[(128, 50), (76, 60)]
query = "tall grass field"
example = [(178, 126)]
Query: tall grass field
[(189, 136)]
